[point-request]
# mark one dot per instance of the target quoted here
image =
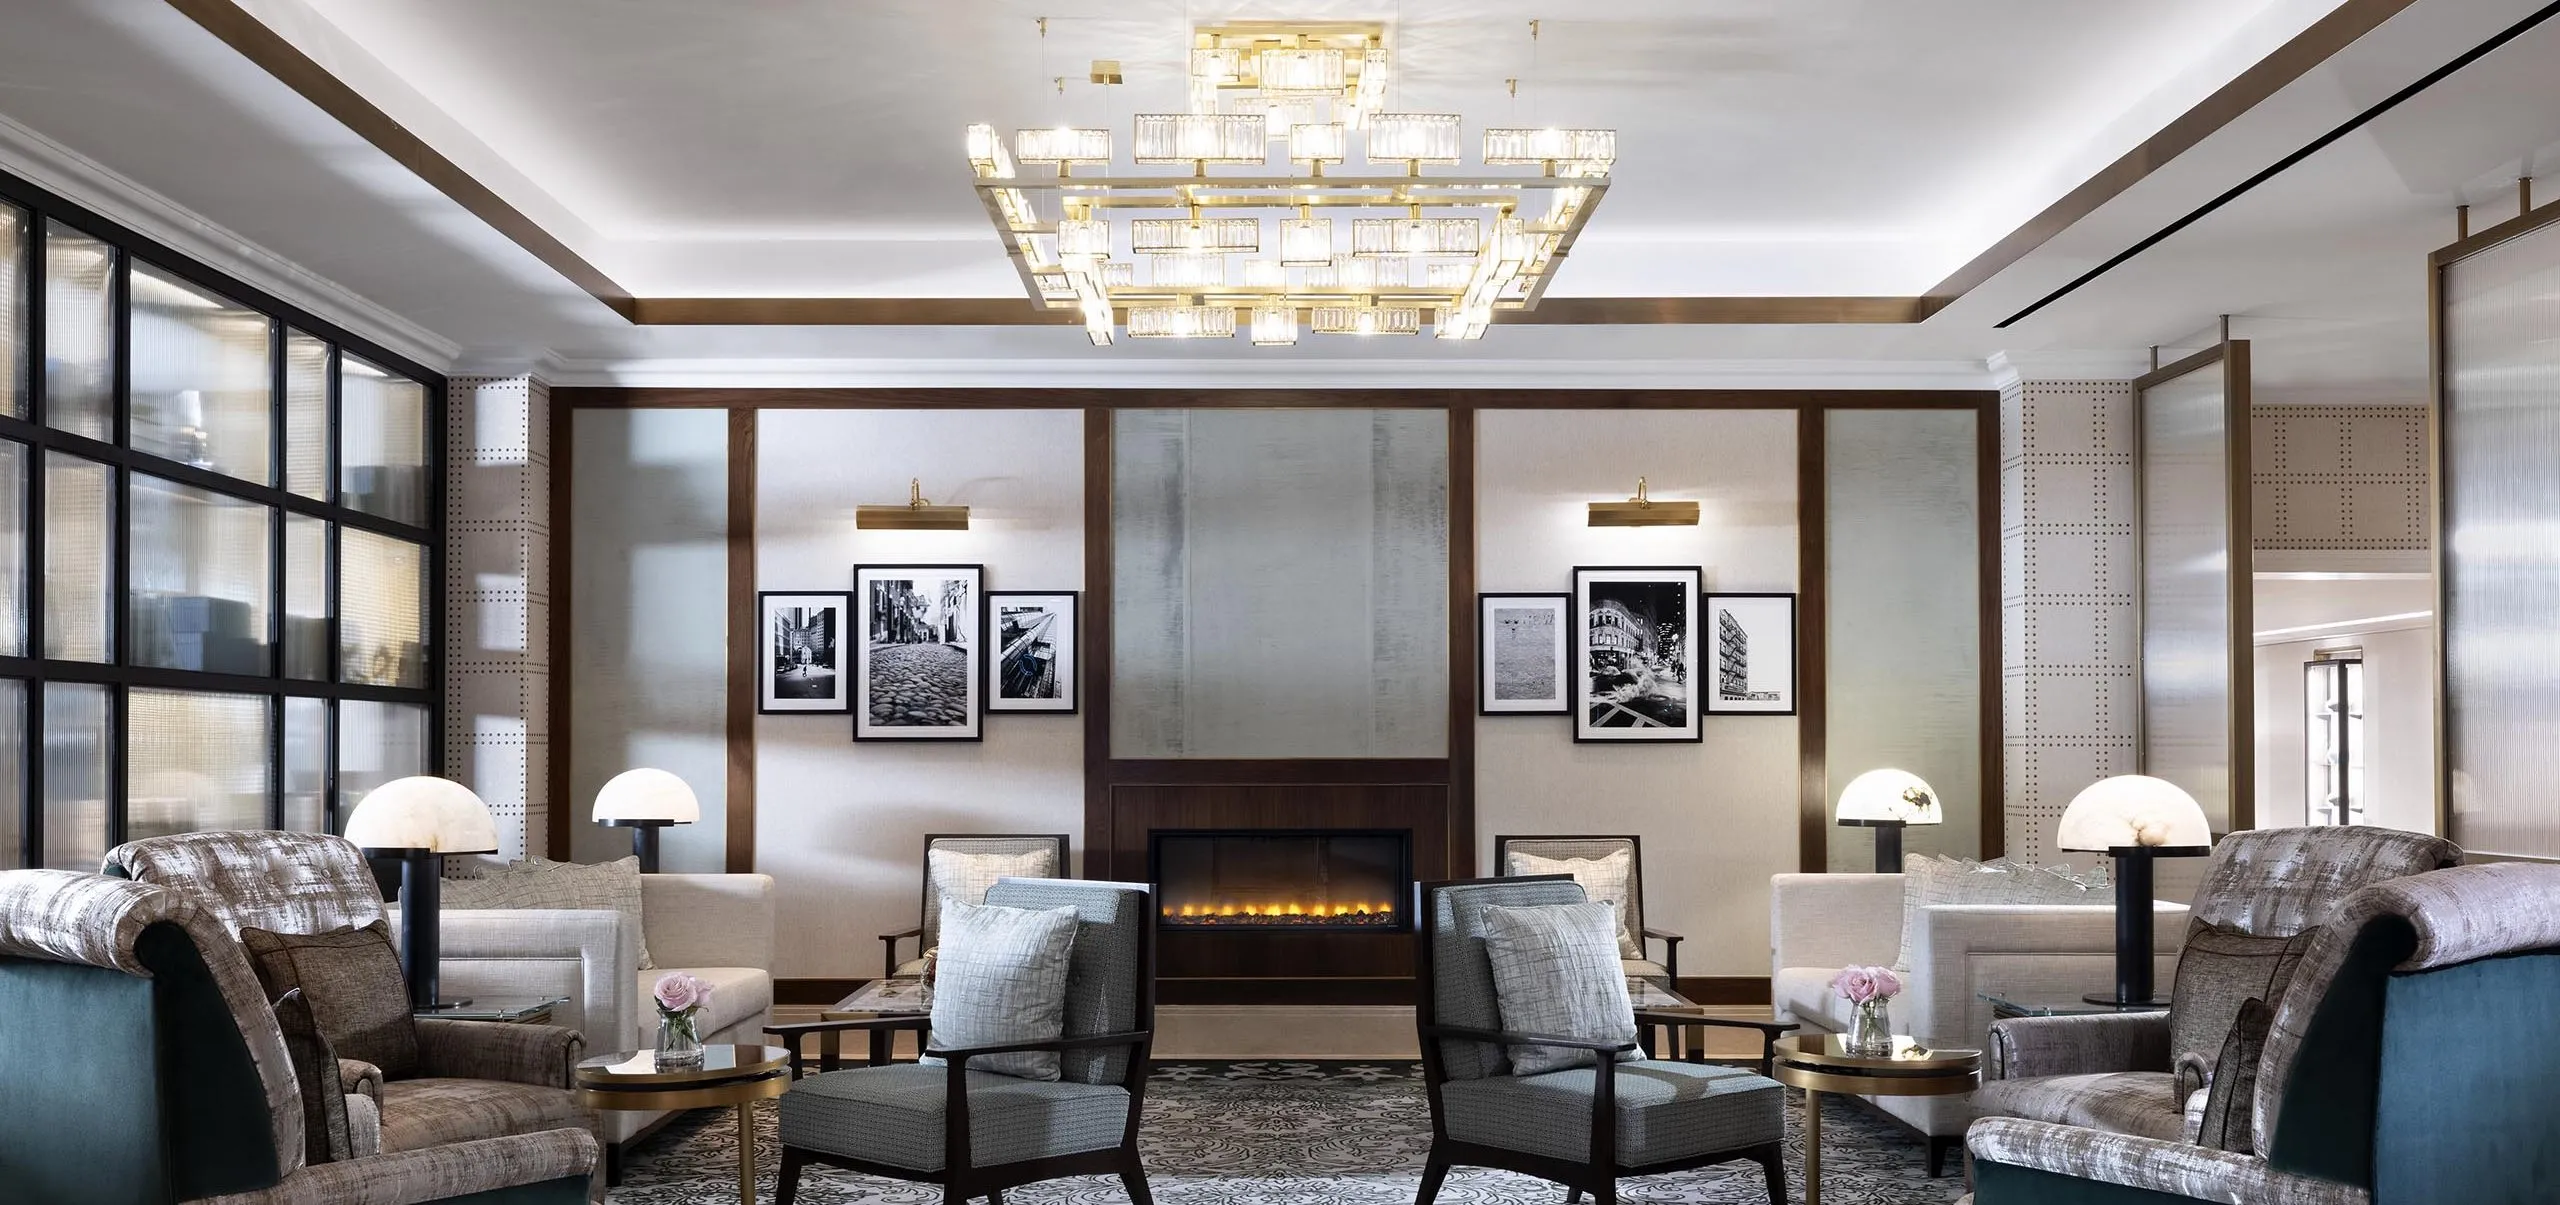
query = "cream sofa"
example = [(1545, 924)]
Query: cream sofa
[(718, 927), (1819, 923)]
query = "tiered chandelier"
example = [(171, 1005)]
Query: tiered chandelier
[(1251, 248)]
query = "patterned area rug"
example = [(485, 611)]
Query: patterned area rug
[(1291, 1133)]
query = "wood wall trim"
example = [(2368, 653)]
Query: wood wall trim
[(1462, 644), (1813, 567), (1097, 643), (742, 643), (624, 397), (1994, 805)]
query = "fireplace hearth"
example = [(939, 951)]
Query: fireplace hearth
[(1282, 880)]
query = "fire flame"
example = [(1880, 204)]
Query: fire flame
[(1293, 909)]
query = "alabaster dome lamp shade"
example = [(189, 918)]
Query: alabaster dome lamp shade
[(419, 821), (2134, 818), (1888, 801), (645, 801)]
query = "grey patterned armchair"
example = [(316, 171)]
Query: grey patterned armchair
[(1036, 855), (2410, 1062), (2142, 1073), (1582, 1127), (977, 1133), (140, 1062)]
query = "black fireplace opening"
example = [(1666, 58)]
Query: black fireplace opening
[(1283, 879)]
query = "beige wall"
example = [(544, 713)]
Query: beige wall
[(841, 825), (1717, 817)]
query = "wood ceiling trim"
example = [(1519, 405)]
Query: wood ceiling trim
[(243, 32)]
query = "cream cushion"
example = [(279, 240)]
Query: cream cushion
[(1604, 881), (965, 876), (543, 884)]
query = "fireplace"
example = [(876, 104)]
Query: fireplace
[(1282, 880)]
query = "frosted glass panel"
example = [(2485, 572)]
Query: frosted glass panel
[(199, 579), (306, 765), (76, 750), (377, 742), (1280, 583), (2187, 622), (194, 762), (13, 773), (202, 380), (2501, 524), (13, 313), (306, 597), (382, 451), (306, 415), (382, 610), (79, 526), (13, 549), (1903, 505), (79, 333)]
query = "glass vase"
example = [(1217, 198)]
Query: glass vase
[(679, 1045), (1870, 1032)]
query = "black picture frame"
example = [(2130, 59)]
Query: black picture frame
[(1640, 685), (824, 688), (1761, 623), (1490, 646), (1063, 664), (908, 684)]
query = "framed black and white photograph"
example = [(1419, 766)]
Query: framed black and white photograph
[(1751, 663), (1635, 653), (1032, 635), (1521, 654), (923, 652), (803, 650)]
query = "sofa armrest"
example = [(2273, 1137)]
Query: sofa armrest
[(360, 1079), (542, 1055), (1834, 920), (2015, 1161), (1961, 951), (2030, 1047), (709, 920), (435, 1173), (585, 954)]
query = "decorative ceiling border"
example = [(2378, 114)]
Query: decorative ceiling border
[(272, 53)]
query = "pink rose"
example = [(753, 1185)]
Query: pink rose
[(1858, 985), (1888, 984), (681, 993)]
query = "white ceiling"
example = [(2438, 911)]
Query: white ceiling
[(786, 147)]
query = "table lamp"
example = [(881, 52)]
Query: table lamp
[(419, 821), (1886, 801), (2134, 818), (645, 801)]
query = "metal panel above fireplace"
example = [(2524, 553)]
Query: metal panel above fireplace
[(1282, 880)]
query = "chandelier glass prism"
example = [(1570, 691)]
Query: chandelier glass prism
[(1244, 234)]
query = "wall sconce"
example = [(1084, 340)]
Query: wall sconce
[(1641, 511), (920, 514)]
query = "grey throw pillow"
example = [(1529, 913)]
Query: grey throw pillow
[(539, 883), (1001, 979), (351, 981), (1928, 880), (2218, 971), (325, 1138), (1605, 880), (1556, 971), (2227, 1103)]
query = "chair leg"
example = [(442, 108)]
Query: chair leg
[(1434, 1170), (1572, 1195), (1605, 1194), (1135, 1181), (1772, 1158), (1939, 1145), (787, 1180), (995, 1196)]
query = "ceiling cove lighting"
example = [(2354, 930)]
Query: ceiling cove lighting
[(1642, 511), (917, 513), (1298, 201)]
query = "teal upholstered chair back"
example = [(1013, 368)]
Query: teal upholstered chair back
[(1457, 975), (282, 882), (1111, 972), (2415, 1052), (127, 1069)]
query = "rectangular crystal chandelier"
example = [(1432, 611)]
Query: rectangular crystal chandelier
[(1364, 320), (1182, 322), (1062, 145), (1413, 138), (1414, 236), (1532, 148), (1191, 271), (1200, 138), (1167, 236), (1275, 325)]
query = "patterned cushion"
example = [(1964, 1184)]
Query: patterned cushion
[(1928, 880), (1002, 979), (2216, 972), (2142, 1103), (1665, 1111), (325, 1135), (2225, 1123), (260, 878), (1608, 880), (965, 875), (422, 1113), (893, 1115), (351, 977), (2277, 882), (1106, 968), (537, 883), (1556, 971)]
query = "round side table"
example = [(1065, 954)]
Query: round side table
[(1819, 1063), (727, 1075)]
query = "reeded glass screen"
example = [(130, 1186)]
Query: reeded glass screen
[(13, 312), (77, 756), (13, 549), (199, 579), (2188, 627), (377, 742), (79, 537), (382, 444), (202, 380), (306, 415), (194, 762), (79, 333), (381, 609)]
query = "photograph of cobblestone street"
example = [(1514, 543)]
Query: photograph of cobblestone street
[(921, 650)]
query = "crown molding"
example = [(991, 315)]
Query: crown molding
[(102, 190), (2008, 368), (1273, 373)]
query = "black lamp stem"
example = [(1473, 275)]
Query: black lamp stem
[(421, 948), (644, 846), (1889, 846), (2133, 931)]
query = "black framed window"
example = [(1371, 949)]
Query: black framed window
[(221, 522)]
